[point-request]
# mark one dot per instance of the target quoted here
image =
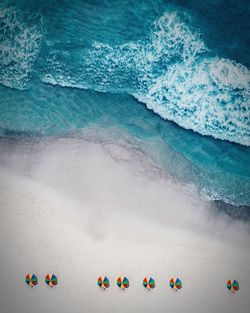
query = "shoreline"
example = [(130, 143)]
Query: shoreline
[(81, 210)]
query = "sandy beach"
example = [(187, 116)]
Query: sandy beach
[(82, 209), (124, 151)]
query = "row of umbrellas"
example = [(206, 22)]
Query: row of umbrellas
[(123, 282), (149, 283), (32, 280)]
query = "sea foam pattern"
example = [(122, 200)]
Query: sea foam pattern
[(173, 73), (19, 47), (209, 95)]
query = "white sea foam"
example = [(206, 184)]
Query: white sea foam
[(19, 47), (200, 97), (229, 74), (171, 36), (209, 95)]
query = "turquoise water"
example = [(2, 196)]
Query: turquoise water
[(172, 74)]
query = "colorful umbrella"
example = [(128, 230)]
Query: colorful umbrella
[(51, 280), (175, 284), (122, 282), (31, 280), (233, 285), (103, 282), (149, 283)]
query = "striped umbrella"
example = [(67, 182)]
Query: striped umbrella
[(233, 285), (175, 284), (31, 280), (122, 282), (149, 283), (51, 280), (103, 282)]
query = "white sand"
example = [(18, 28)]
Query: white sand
[(81, 209)]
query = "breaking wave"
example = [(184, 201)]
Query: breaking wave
[(172, 71)]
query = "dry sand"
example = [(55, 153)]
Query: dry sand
[(83, 209)]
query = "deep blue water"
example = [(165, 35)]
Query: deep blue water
[(173, 74)]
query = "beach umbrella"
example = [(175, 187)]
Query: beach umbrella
[(233, 285), (31, 280), (149, 283), (175, 284), (51, 280), (103, 282), (122, 282)]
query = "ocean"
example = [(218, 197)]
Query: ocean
[(172, 77)]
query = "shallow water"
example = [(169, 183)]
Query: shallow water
[(216, 169)]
